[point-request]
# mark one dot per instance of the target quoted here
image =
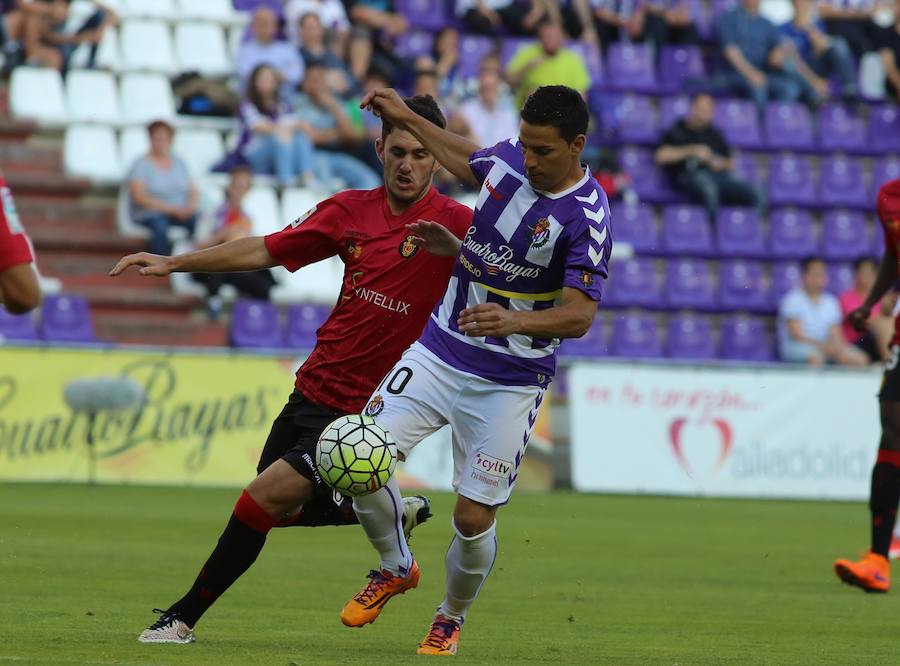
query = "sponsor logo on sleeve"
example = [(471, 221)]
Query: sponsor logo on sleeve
[(296, 223)]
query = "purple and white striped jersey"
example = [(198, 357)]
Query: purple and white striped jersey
[(523, 247)]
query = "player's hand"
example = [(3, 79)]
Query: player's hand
[(151, 264), (489, 319), (859, 318), (434, 237), (387, 104)]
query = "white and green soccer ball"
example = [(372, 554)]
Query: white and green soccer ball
[(355, 456)]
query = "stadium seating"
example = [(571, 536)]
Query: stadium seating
[(636, 335), (37, 94), (792, 234), (686, 232), (424, 14), (635, 226), (147, 46), (472, 50), (844, 236), (738, 121), (690, 337), (788, 126), (634, 283), (91, 97), (221, 11), (91, 151), (200, 47), (163, 9), (302, 323), (145, 97), (19, 328), (791, 181), (746, 339), (255, 325), (199, 148), (67, 319), (840, 278), (839, 129), (785, 277), (742, 287), (689, 284), (591, 344), (415, 43), (884, 129), (679, 64), (842, 183), (631, 67), (739, 233)]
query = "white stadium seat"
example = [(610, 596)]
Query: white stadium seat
[(295, 201), (147, 46), (200, 46), (134, 142), (210, 197), (146, 97), (261, 204), (317, 283), (163, 9), (91, 96), (109, 53), (221, 11), (37, 94), (90, 151), (199, 148)]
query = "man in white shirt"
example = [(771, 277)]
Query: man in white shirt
[(809, 320), (330, 12), (491, 116)]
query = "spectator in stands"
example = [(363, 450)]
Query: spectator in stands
[(46, 40), (547, 63), (266, 49), (889, 50), (615, 19), (332, 16), (231, 223), (754, 58), (809, 320), (668, 22), (816, 55), (874, 341), (491, 115), (697, 160), (852, 20), (333, 132), (315, 52), (489, 17), (272, 139), (576, 18), (375, 27), (20, 288), (445, 53), (161, 190)]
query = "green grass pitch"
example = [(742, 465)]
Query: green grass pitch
[(579, 580)]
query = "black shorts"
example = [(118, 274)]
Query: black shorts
[(890, 382), (294, 435)]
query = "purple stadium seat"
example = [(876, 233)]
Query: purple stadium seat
[(649, 181), (250, 5), (745, 167), (414, 43), (884, 128), (840, 278), (842, 183), (592, 59), (785, 276), (631, 67), (678, 64), (425, 14), (739, 233), (742, 286), (633, 283), (788, 126), (254, 324), (636, 336), (839, 129), (671, 110), (16, 327), (686, 232), (509, 46), (472, 50), (791, 181), (67, 318), (689, 284), (627, 118), (636, 227), (592, 343), (690, 337), (792, 234), (886, 169), (302, 323), (746, 339), (719, 7), (844, 236), (738, 122)]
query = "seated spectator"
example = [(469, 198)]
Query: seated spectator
[(615, 20), (668, 22), (614, 180), (314, 52), (547, 63), (42, 30), (755, 60), (576, 18), (331, 13), (491, 17), (161, 191), (853, 22), (809, 320), (491, 115), (874, 341), (231, 223), (264, 48), (697, 160), (375, 27), (445, 53), (889, 50), (816, 55), (272, 140), (333, 132)]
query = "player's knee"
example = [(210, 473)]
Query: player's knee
[(472, 519)]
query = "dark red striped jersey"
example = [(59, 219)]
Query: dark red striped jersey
[(15, 248), (888, 207)]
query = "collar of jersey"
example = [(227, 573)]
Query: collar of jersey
[(577, 186), (403, 218)]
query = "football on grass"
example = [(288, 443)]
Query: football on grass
[(355, 456)]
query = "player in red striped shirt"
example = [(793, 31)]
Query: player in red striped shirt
[(390, 286), (20, 291)]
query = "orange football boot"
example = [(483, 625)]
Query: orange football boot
[(366, 606), (442, 638), (872, 573)]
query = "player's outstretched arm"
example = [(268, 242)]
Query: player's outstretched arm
[(244, 254), (571, 319), (887, 276), (451, 150)]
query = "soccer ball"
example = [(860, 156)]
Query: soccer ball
[(355, 456)]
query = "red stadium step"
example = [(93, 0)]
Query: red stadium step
[(92, 266), (21, 157), (16, 130), (157, 328), (92, 240), (130, 298), (51, 186), (65, 216)]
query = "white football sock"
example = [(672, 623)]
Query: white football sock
[(380, 513), (469, 561)]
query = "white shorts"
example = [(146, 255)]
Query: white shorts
[(491, 423)]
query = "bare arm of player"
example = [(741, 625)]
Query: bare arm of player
[(244, 254), (434, 237), (571, 319), (20, 291), (451, 150), (887, 276)]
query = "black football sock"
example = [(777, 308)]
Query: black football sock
[(883, 499), (238, 547)]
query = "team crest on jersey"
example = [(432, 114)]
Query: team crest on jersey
[(587, 278), (305, 215), (375, 406), (540, 233), (408, 248), (354, 249)]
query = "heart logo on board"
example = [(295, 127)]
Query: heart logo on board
[(684, 454)]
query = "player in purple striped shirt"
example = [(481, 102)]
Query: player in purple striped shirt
[(528, 273)]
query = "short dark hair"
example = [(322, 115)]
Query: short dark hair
[(422, 105), (809, 261), (865, 260), (560, 107)]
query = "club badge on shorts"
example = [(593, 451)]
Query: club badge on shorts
[(407, 248), (375, 406)]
